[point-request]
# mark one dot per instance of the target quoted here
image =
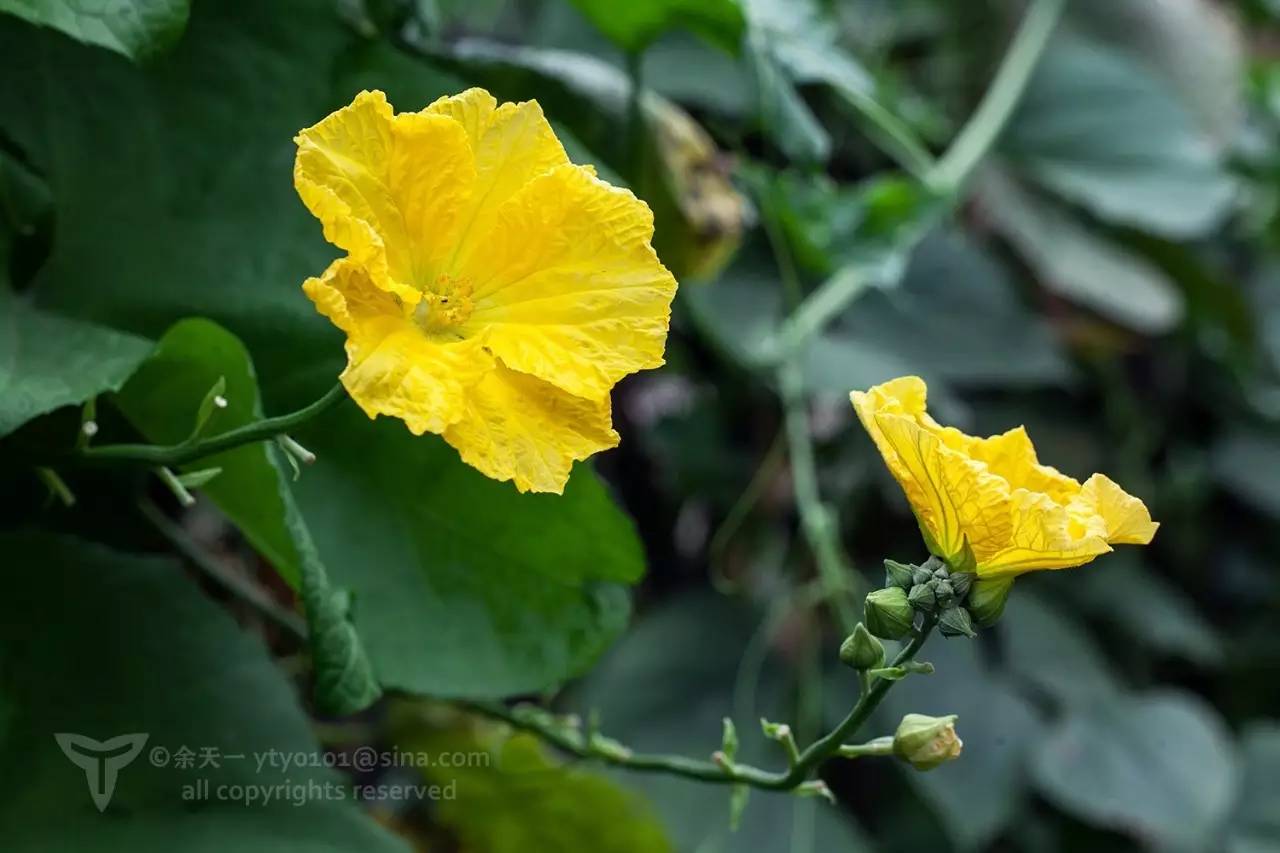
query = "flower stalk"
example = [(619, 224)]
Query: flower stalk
[(798, 774), (168, 456)]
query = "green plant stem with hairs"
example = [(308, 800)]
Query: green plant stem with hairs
[(156, 455), (799, 771)]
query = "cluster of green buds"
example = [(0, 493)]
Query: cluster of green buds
[(931, 588)]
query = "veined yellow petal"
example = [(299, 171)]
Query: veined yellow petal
[(1042, 538), (512, 144), (393, 368), (1126, 518), (517, 427), (388, 189), (953, 497), (1016, 514), (567, 287), (1012, 456)]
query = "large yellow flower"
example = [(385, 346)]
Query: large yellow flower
[(492, 292), (991, 495)]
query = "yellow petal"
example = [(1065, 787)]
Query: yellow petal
[(1043, 538), (567, 286), (517, 427), (512, 144), (393, 368), (1017, 514), (953, 497), (388, 189), (1126, 518), (1012, 456)]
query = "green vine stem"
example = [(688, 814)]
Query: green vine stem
[(979, 134), (717, 771), (189, 451), (946, 180), (816, 517)]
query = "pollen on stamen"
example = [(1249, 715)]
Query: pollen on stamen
[(445, 305)]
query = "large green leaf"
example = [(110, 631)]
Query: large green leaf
[(1046, 647), (1102, 130), (1198, 46), (1159, 766), (790, 44), (172, 186), (464, 587), (48, 361), (161, 399), (102, 644), (635, 24), (139, 29), (1148, 608), (1255, 825), (1077, 261)]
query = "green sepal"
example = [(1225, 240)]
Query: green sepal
[(898, 574), (955, 622), (987, 599)]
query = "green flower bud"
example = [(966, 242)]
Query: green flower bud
[(961, 582), (897, 574), (926, 742), (921, 574), (987, 598), (888, 613), (922, 597), (943, 592), (860, 650), (932, 564), (955, 622)]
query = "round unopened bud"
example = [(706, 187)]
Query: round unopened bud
[(888, 613), (921, 574), (926, 742), (943, 592), (897, 574), (922, 597), (860, 650), (961, 582), (987, 598), (955, 622)]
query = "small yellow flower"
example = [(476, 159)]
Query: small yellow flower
[(991, 495), (492, 292)]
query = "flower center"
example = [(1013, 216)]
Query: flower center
[(445, 305)]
